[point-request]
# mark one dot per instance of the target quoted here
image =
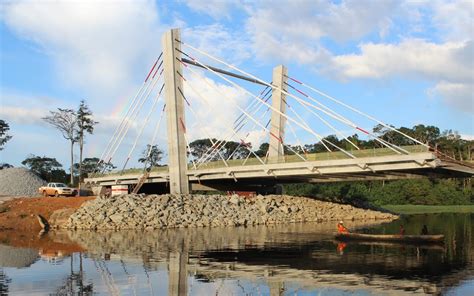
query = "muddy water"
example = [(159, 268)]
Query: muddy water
[(295, 259)]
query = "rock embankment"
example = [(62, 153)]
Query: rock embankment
[(173, 211)]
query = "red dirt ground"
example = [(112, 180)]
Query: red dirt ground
[(20, 213), (47, 246)]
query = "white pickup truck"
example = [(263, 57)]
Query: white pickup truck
[(57, 189)]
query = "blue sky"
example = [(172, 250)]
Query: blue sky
[(404, 62)]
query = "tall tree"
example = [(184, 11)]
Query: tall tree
[(85, 125), (151, 156), (65, 120), (4, 137)]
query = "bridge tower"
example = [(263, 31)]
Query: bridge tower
[(277, 128), (176, 123)]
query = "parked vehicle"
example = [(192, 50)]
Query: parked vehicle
[(57, 189)]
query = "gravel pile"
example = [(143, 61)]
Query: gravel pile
[(175, 211), (19, 182)]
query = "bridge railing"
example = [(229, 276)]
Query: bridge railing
[(373, 152)]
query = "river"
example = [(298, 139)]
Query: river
[(293, 259)]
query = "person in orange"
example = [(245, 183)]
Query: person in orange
[(402, 230), (341, 228)]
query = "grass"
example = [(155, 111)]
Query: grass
[(423, 209)]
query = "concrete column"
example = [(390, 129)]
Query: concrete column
[(178, 274), (277, 128), (175, 113)]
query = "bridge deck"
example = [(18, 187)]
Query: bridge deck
[(329, 167)]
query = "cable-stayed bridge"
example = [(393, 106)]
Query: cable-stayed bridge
[(284, 110)]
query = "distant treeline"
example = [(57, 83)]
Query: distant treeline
[(410, 191), (449, 142)]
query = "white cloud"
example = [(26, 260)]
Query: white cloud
[(23, 115), (291, 31), (96, 45), (215, 8), (449, 65), (467, 137), (454, 19), (218, 41), (216, 112), (25, 109), (452, 60), (457, 95)]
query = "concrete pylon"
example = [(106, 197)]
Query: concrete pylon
[(177, 162), (277, 128)]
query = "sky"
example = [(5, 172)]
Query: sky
[(403, 62)]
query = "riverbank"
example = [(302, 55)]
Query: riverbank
[(169, 211), (425, 209), (177, 211), (20, 213)]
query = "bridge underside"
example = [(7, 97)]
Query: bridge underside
[(259, 177)]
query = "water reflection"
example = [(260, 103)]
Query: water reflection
[(275, 260)]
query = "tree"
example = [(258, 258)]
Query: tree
[(65, 120), (4, 137), (92, 165), (236, 150), (200, 147), (85, 124), (46, 167), (426, 134), (262, 150), (4, 165), (151, 156)]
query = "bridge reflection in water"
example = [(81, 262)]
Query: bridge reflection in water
[(273, 260)]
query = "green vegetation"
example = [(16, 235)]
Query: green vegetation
[(4, 136), (47, 168), (399, 192), (85, 125), (151, 156), (421, 209)]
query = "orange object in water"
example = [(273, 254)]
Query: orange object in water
[(341, 228), (341, 247)]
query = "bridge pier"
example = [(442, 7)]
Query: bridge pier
[(276, 151), (176, 123)]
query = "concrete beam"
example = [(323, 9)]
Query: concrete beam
[(175, 113), (277, 128)]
